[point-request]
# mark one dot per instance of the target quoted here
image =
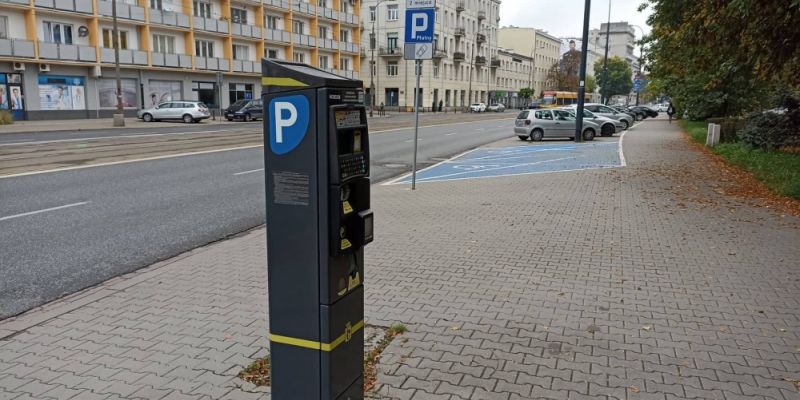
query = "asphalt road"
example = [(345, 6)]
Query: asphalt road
[(64, 231)]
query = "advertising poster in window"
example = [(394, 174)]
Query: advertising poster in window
[(3, 93), (107, 92), (161, 91), (62, 93)]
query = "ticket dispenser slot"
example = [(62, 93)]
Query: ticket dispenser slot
[(316, 154)]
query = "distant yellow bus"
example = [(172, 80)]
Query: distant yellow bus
[(552, 98)]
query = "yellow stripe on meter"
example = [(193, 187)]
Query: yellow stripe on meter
[(310, 344), (274, 81)]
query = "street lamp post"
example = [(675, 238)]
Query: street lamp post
[(603, 98), (119, 115), (641, 60)]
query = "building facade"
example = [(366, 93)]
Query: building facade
[(621, 41), (464, 63), (513, 74), (542, 48), (57, 56)]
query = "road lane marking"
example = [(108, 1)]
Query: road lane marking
[(44, 210), (451, 134), (621, 155), (248, 172), (112, 137), (47, 171)]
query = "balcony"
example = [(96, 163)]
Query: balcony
[(390, 52), (304, 40), (212, 63), (277, 35), (170, 18), (438, 53), (348, 47), (461, 6), (350, 19), (245, 66), (249, 31), (346, 73), (458, 32), (16, 48), (302, 7), (124, 11), (171, 60), (208, 24), (22, 2), (81, 6), (126, 56), (67, 52), (282, 4), (459, 56), (326, 43), (480, 38), (495, 62), (328, 13), (481, 15), (480, 60)]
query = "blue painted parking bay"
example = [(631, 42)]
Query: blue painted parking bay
[(488, 162)]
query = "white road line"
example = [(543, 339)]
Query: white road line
[(621, 155), (433, 178), (129, 161), (44, 210), (248, 172), (108, 137), (411, 140), (451, 134), (393, 181)]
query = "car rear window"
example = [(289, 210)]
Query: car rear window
[(201, 105), (523, 115)]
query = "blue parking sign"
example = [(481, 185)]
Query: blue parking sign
[(419, 25)]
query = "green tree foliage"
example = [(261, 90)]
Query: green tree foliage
[(619, 77), (591, 84), (526, 93), (724, 57)]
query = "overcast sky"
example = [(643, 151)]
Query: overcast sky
[(564, 18)]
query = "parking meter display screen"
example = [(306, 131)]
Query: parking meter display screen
[(347, 119)]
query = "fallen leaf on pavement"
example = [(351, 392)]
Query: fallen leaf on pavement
[(634, 389), (647, 327)]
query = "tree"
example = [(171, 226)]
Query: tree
[(525, 93), (619, 77), (559, 79), (591, 84), (724, 57)]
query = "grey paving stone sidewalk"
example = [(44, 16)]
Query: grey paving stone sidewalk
[(634, 283)]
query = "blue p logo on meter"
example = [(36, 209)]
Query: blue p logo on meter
[(288, 123), (419, 25)]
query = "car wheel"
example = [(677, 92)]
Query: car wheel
[(625, 125), (536, 135), (639, 117), (607, 130), (588, 135), (248, 117), (522, 137), (147, 118), (188, 119), (229, 119)]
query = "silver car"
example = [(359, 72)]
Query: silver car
[(605, 111), (186, 111), (608, 126), (551, 123)]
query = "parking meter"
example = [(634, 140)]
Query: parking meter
[(316, 153)]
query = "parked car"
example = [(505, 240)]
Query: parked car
[(603, 110), (187, 111), (477, 107), (534, 105), (624, 110), (244, 110), (608, 126), (497, 108), (556, 123), (661, 107), (643, 112)]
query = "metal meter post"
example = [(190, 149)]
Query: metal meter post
[(316, 157)]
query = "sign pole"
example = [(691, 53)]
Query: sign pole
[(417, 101), (582, 77)]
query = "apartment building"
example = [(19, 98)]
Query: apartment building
[(57, 56), (464, 64), (514, 73), (541, 47), (621, 41)]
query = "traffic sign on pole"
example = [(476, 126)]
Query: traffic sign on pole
[(637, 85), (419, 25)]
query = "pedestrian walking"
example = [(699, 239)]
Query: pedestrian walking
[(670, 111)]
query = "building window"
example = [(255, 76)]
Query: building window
[(345, 7), (3, 27), (156, 5), (322, 3), (239, 16), (109, 33), (435, 71), (298, 57), (206, 93), (344, 35), (240, 91), (392, 68), (56, 32), (163, 44), (241, 52), (391, 40), (372, 14), (298, 27), (344, 64), (272, 22), (272, 53), (323, 62), (203, 48), (323, 32), (392, 13), (202, 9)]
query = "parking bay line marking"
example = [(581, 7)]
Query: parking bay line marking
[(25, 214), (432, 178), (248, 172)]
